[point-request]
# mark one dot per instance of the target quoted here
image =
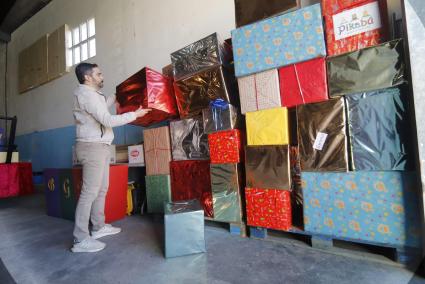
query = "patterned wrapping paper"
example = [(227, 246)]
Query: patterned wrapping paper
[(369, 16), (379, 130), (322, 137), (279, 41), (267, 127), (158, 191), (157, 150), (226, 146), (201, 55), (259, 91), (267, 167), (149, 89), (189, 141), (380, 207), (226, 184), (192, 180), (303, 83), (221, 115), (357, 71), (269, 208)]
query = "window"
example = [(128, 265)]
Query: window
[(82, 45)]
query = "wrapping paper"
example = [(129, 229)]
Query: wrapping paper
[(293, 128), (26, 185), (158, 192), (189, 141), (267, 167), (201, 55), (380, 207), (196, 92), (379, 127), (247, 12), (220, 115), (321, 136), (226, 184), (68, 197), (184, 228), (368, 16), (9, 180), (267, 127), (297, 199), (268, 208), (226, 147), (157, 150), (149, 89), (279, 41), (303, 83), (52, 192), (192, 180), (357, 71), (259, 91)]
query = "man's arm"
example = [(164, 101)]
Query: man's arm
[(110, 100)]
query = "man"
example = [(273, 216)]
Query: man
[(93, 139)]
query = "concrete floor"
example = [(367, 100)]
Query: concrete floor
[(35, 249)]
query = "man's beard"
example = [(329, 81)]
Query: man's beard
[(100, 85)]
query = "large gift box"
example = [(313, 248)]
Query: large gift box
[(158, 191), (380, 207), (157, 150), (226, 146), (267, 127), (16, 179), (279, 41), (226, 184), (267, 167), (358, 71), (354, 24), (321, 136), (379, 130), (68, 195), (148, 89), (52, 192), (303, 83), (268, 208), (192, 180), (220, 115), (188, 139)]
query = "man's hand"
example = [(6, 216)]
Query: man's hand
[(142, 111)]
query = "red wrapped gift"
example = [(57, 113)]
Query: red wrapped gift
[(225, 146), (303, 83), (269, 208), (9, 180), (26, 185), (149, 89), (354, 24), (192, 180)]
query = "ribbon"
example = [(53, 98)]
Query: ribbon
[(217, 106)]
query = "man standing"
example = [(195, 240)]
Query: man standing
[(93, 139)]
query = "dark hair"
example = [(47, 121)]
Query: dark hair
[(83, 69)]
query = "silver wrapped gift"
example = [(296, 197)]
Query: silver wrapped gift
[(219, 116)]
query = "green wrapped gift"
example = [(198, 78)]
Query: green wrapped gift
[(158, 191)]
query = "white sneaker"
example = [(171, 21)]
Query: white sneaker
[(105, 231), (88, 245)]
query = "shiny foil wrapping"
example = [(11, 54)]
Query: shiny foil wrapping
[(321, 136), (157, 148), (189, 141), (379, 130), (226, 184), (158, 192), (192, 180), (220, 115), (196, 92), (268, 167), (148, 89), (226, 146), (268, 208), (297, 199), (203, 54), (358, 71)]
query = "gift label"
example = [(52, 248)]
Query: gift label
[(357, 20), (320, 141)]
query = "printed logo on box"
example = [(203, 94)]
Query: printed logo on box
[(135, 153), (357, 20)]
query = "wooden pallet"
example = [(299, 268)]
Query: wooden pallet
[(234, 228)]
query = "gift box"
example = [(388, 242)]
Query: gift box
[(158, 192), (226, 184), (184, 228), (379, 127), (357, 71), (380, 207), (297, 199), (268, 208), (303, 83), (68, 198), (135, 154), (220, 115), (322, 137), (354, 24), (196, 92), (282, 40), (157, 150), (226, 146), (52, 192), (148, 89), (267, 127), (26, 185), (259, 91), (189, 141), (192, 180)]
